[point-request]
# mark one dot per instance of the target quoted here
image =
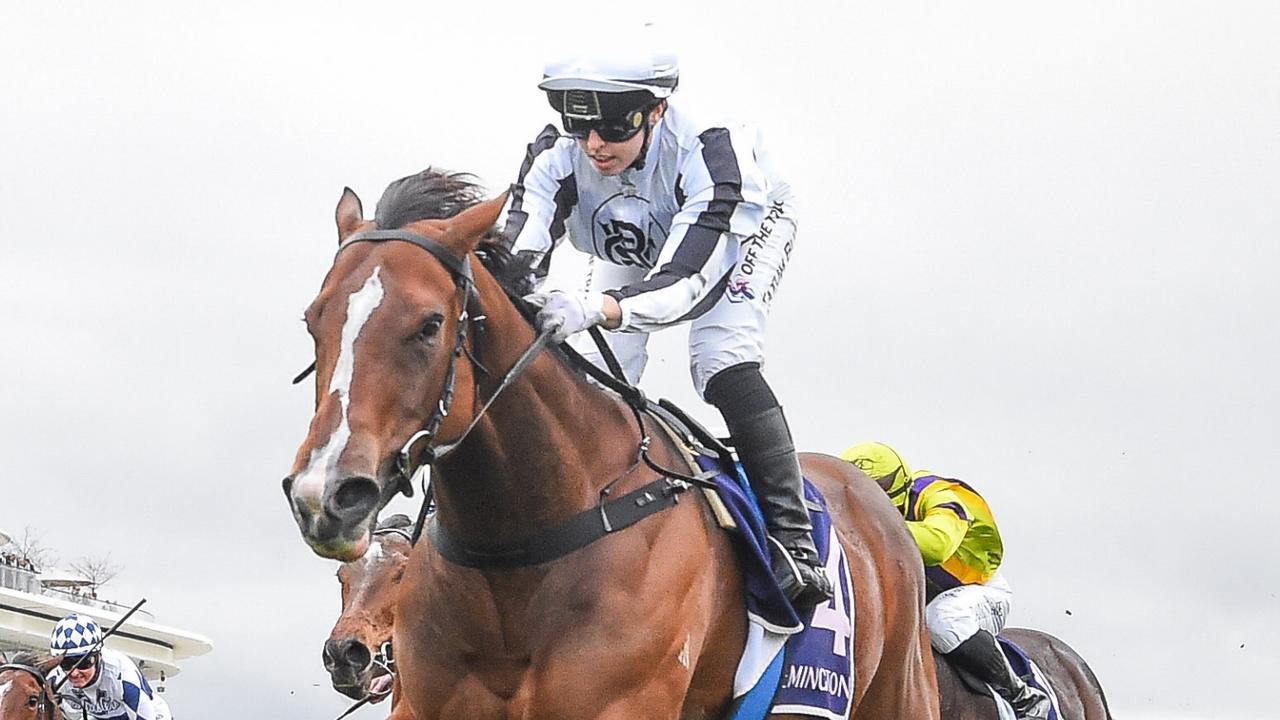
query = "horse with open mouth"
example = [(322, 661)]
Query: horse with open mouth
[(25, 692), (516, 604), (358, 653)]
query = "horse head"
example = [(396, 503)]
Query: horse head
[(25, 692), (388, 323), (355, 653)]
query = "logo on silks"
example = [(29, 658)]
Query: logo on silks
[(101, 706), (624, 243), (739, 290), (625, 233)]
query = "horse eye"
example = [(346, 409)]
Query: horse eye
[(33, 701), (430, 328)]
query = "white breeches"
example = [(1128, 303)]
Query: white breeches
[(956, 614)]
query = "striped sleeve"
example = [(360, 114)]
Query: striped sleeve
[(541, 198), (723, 199)]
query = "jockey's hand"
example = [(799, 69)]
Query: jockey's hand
[(567, 313)]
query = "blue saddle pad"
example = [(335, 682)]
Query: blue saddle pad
[(803, 663)]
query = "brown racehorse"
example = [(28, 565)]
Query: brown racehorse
[(25, 694), (645, 622), (356, 652), (1080, 696)]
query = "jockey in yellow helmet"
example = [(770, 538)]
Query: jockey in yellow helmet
[(968, 599)]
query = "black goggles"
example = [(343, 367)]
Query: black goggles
[(80, 662), (610, 130)]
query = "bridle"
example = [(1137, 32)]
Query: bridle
[(48, 705), (386, 660), (418, 451)]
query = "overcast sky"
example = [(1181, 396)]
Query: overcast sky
[(1038, 251)]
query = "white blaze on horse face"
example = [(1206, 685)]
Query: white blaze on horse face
[(373, 554), (309, 487), (4, 690)]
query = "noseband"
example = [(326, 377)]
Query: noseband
[(46, 697)]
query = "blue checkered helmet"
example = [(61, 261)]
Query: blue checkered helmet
[(75, 635)]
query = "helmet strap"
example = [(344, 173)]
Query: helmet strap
[(648, 135), (97, 671)]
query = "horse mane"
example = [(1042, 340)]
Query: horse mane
[(439, 194), (396, 522), (27, 657), (428, 195)]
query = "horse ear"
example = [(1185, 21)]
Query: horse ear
[(47, 665), (349, 214), (467, 227)]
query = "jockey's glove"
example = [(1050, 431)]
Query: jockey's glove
[(566, 313)]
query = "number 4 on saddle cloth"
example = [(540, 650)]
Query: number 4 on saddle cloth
[(792, 664)]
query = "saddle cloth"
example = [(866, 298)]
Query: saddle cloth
[(793, 664)]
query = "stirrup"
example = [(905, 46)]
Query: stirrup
[(1031, 704), (803, 581)]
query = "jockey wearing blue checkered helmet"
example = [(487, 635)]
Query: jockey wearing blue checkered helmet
[(101, 684)]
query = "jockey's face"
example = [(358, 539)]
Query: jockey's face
[(611, 159), (84, 675)]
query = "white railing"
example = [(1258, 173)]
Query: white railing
[(15, 578)]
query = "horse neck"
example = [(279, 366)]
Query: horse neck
[(542, 451)]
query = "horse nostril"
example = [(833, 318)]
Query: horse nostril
[(350, 653), (355, 498), (287, 483), (358, 655)]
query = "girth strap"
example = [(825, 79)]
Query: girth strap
[(574, 534)]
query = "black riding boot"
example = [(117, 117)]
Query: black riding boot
[(764, 445), (981, 656)]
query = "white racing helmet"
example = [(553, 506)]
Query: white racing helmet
[(638, 60)]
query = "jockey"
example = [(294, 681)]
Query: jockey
[(686, 221), (968, 598), (102, 683)]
